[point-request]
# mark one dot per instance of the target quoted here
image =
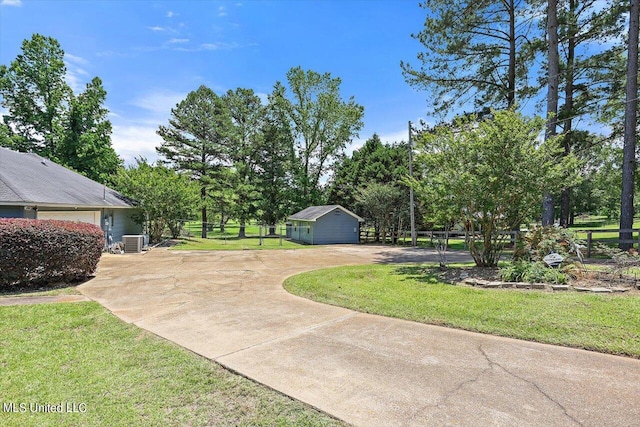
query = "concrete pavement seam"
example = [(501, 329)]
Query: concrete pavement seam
[(293, 335)]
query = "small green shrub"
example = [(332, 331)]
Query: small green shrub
[(513, 272), (36, 252), (532, 272)]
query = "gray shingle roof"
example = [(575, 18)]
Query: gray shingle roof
[(312, 213), (26, 178)]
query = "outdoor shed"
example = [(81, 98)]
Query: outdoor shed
[(325, 225), (37, 188)]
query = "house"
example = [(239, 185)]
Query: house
[(37, 188), (324, 225)]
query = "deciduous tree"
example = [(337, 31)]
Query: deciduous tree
[(490, 174), (45, 117), (86, 144), (322, 124), (374, 162), (34, 90), (164, 197)]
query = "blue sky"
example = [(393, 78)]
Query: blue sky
[(150, 54)]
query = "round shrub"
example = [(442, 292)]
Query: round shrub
[(533, 272), (36, 252)]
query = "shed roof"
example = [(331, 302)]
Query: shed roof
[(312, 213), (27, 179)]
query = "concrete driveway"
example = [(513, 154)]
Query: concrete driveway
[(367, 370)]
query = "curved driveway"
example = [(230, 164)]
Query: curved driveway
[(367, 370)]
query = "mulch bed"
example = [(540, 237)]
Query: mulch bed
[(585, 279)]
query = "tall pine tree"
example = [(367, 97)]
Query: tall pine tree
[(197, 140)]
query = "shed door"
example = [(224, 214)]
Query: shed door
[(92, 217)]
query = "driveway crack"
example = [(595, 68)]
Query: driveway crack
[(532, 383)]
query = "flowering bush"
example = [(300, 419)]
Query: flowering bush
[(35, 252)]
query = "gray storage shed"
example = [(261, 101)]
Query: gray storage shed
[(324, 225)]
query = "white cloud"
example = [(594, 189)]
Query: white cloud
[(74, 81), (17, 3), (75, 59), (386, 138), (159, 103), (76, 76), (170, 14), (157, 28), (264, 97), (208, 46), (131, 141), (218, 46), (222, 11), (176, 41), (113, 54), (391, 137)]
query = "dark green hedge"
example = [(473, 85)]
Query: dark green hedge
[(37, 252)]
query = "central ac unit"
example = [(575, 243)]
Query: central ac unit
[(133, 243)]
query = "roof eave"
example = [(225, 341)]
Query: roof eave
[(64, 205)]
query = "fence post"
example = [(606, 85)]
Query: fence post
[(589, 236)]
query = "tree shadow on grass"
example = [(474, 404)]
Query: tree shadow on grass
[(423, 274), (418, 255), (37, 287)]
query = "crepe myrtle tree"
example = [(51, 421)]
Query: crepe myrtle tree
[(490, 175)]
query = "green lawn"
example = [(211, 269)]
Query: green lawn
[(605, 323), (194, 229), (601, 223), (233, 243), (118, 375)]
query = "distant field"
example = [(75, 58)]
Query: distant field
[(231, 229), (233, 243)]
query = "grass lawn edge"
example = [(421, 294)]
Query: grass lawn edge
[(579, 334)]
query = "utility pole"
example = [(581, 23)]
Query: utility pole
[(414, 239)]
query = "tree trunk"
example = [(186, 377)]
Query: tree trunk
[(548, 214), (565, 207), (203, 196), (511, 78), (272, 230), (204, 222), (565, 198), (630, 119), (242, 231)]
